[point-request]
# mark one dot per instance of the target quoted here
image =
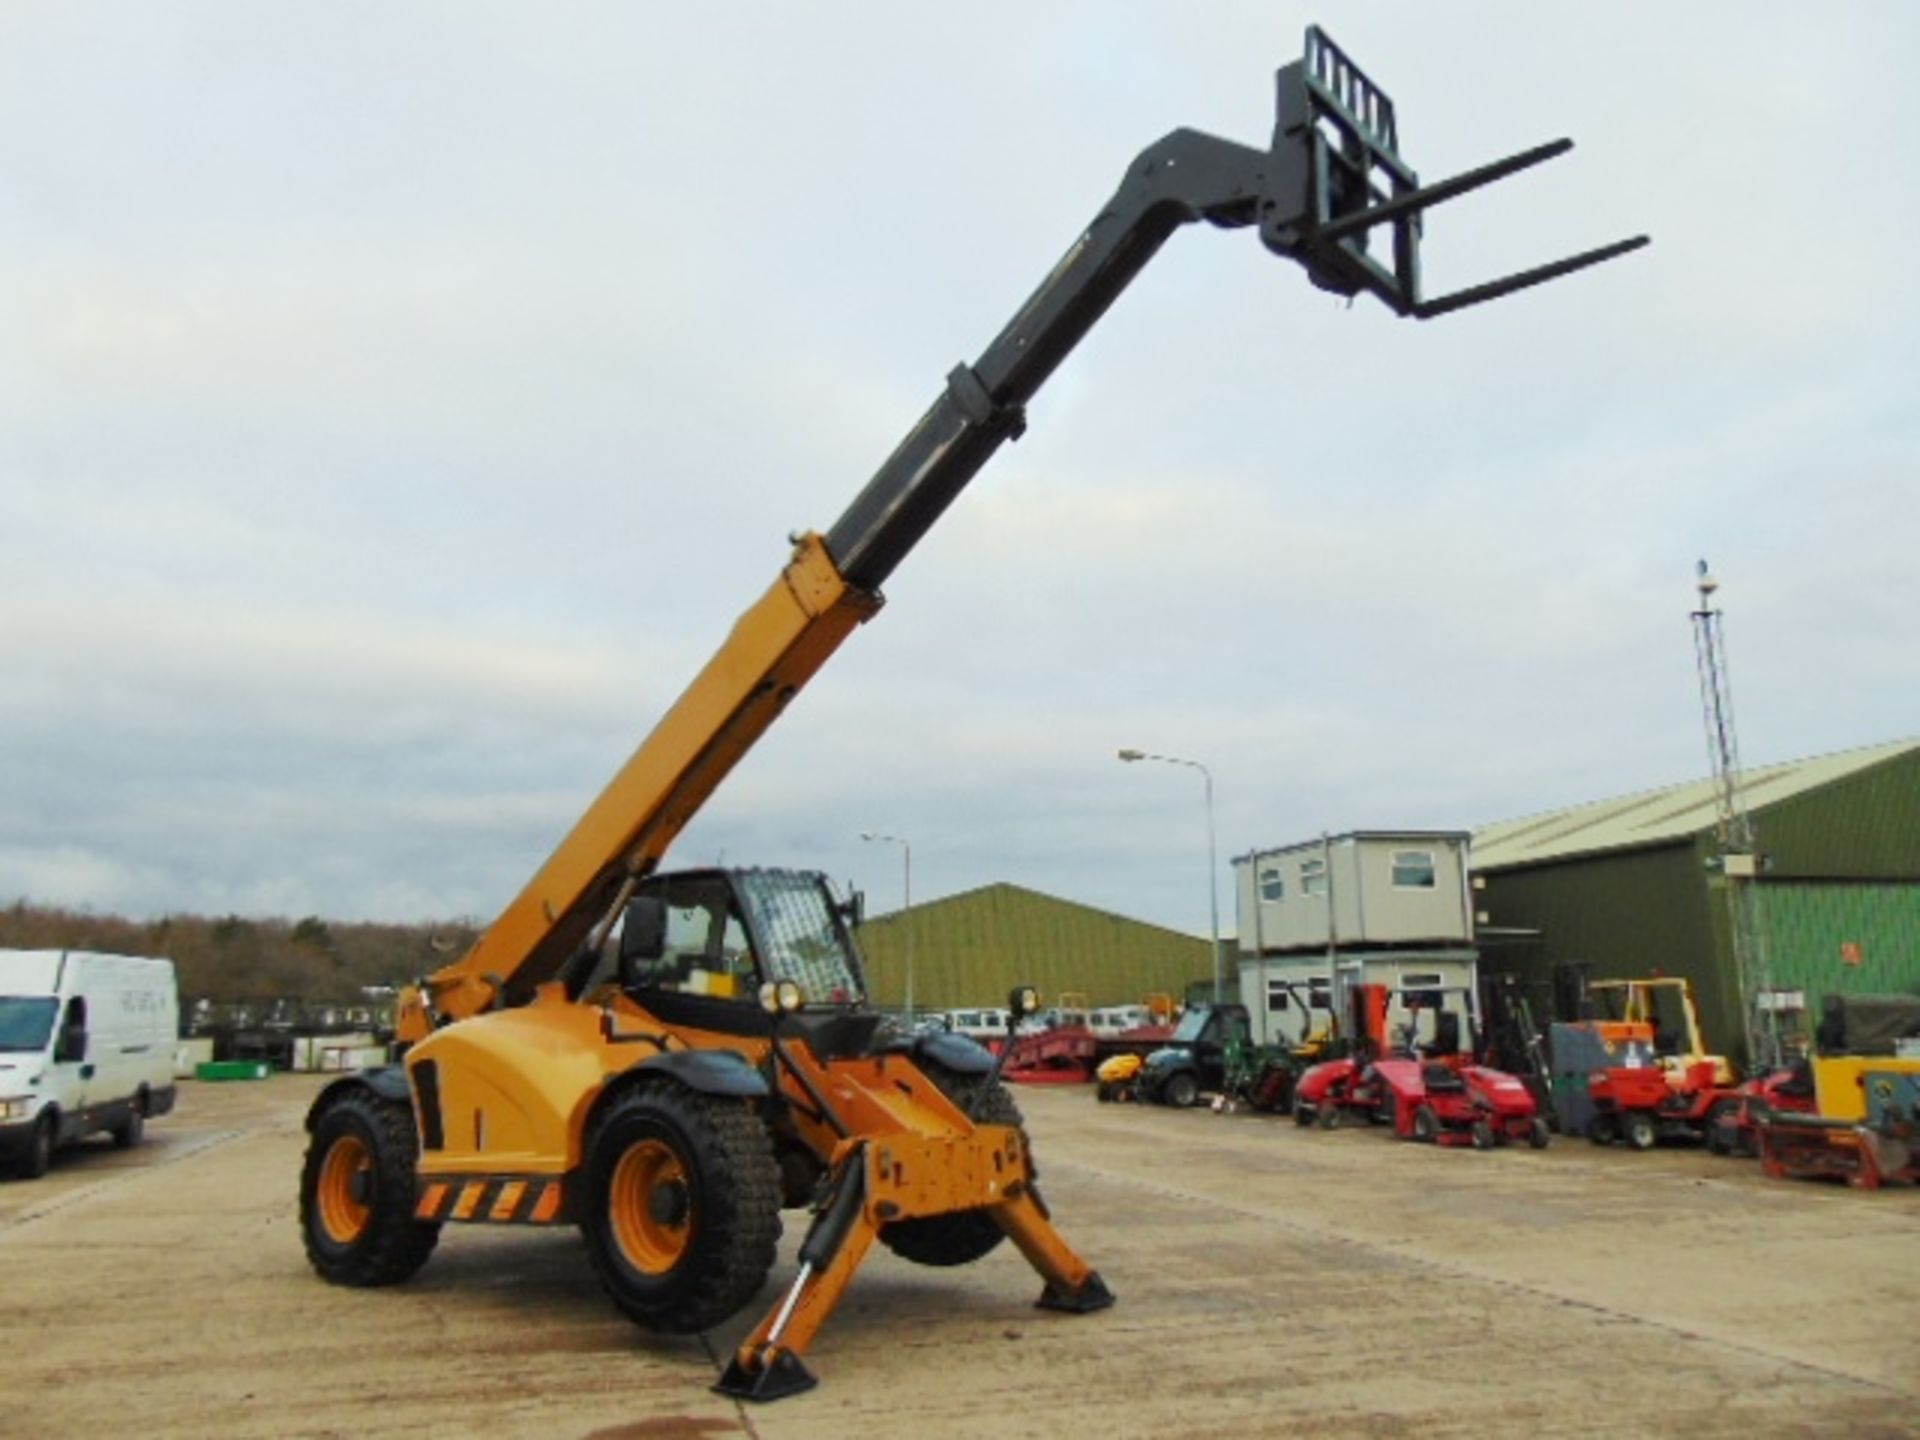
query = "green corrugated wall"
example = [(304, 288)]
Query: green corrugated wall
[(1808, 925), (1633, 912), (1866, 826), (972, 948), (1843, 866)]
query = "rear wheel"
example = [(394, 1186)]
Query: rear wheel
[(961, 1236), (127, 1133), (1538, 1136), (682, 1206), (1638, 1129), (356, 1192)]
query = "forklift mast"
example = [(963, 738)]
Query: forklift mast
[(1330, 191)]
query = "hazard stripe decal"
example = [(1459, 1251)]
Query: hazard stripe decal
[(497, 1199)]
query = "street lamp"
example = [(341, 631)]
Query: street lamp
[(906, 904), (1213, 896)]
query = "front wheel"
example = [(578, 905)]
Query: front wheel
[(1538, 1136), (960, 1236), (1637, 1127), (682, 1206), (1426, 1125), (38, 1158), (1181, 1090), (356, 1192)]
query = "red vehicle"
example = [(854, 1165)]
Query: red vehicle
[(1669, 1086), (1430, 1088)]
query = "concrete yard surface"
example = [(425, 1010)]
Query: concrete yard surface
[(1271, 1281)]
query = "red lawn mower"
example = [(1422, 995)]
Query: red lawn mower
[(1428, 1086)]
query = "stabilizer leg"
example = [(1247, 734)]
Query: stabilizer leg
[(768, 1364), (1072, 1285)]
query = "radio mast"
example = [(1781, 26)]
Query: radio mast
[(1739, 858)]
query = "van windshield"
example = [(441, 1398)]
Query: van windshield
[(26, 1021)]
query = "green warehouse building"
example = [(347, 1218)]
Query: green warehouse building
[(970, 949), (1631, 887)]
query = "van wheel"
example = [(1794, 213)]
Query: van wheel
[(962, 1236), (39, 1156), (127, 1133), (356, 1192)]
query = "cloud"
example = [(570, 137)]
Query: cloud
[(397, 409)]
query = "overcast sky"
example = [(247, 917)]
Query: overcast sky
[(398, 404)]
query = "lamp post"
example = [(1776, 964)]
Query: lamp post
[(1213, 895), (906, 903)]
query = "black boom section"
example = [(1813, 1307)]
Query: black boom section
[(1332, 175)]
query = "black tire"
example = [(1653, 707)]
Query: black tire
[(357, 1192), (1180, 1090), (1327, 1117), (1482, 1134), (682, 1206), (1385, 1107), (127, 1133), (1538, 1135), (1638, 1130), (1604, 1128), (37, 1159), (959, 1237), (1302, 1114), (1426, 1124)]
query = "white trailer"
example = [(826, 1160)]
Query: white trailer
[(86, 1046)]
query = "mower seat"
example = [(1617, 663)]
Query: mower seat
[(1441, 1079)]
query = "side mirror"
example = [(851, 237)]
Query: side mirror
[(72, 1045), (853, 909), (643, 935)]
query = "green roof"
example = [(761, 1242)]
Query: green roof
[(1665, 816)]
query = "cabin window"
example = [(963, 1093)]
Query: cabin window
[(1313, 877), (1273, 885), (1277, 996), (1413, 870)]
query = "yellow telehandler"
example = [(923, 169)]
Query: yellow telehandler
[(666, 1061)]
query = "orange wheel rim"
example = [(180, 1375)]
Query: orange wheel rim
[(346, 1176), (650, 1207)]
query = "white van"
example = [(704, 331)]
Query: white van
[(86, 1045)]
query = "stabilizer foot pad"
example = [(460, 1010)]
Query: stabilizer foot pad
[(1091, 1296), (784, 1375)]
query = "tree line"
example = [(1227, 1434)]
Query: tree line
[(231, 958)]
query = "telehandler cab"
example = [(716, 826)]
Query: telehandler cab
[(665, 1061)]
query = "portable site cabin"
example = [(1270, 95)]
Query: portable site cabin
[(1381, 907)]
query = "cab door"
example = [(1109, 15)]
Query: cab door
[(73, 1072)]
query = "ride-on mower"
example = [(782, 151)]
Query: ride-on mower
[(1667, 1084), (1426, 1085)]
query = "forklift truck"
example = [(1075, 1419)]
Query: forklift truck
[(563, 1072)]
